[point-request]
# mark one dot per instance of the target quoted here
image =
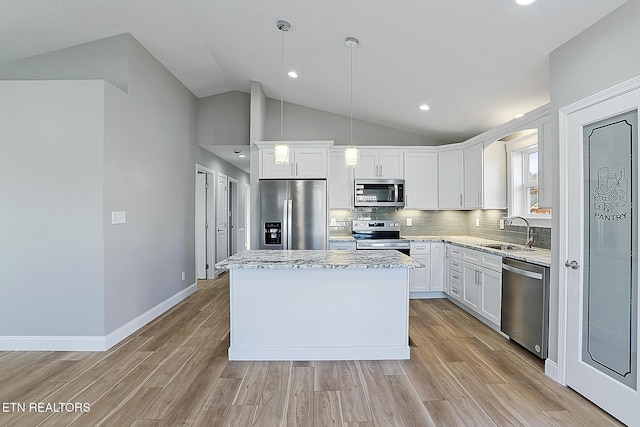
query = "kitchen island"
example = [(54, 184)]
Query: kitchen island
[(319, 305)]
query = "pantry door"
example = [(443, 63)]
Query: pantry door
[(599, 171)]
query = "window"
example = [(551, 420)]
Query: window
[(530, 182), (523, 180)]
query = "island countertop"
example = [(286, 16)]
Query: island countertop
[(272, 259)]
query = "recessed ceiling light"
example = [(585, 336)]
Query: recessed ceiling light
[(424, 107), (292, 74), (524, 2), (519, 115)]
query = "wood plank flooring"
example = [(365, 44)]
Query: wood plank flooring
[(175, 372)]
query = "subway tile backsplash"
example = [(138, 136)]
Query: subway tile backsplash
[(443, 223)]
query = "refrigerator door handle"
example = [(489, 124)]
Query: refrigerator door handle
[(285, 225), (289, 220)]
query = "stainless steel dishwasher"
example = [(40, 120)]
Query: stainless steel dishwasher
[(524, 314)]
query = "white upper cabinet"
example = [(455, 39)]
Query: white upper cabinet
[(421, 180), (307, 160), (450, 179), (473, 176), (485, 176), (494, 176), (380, 163), (339, 181)]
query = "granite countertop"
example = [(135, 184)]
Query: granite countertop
[(318, 259), (536, 256)]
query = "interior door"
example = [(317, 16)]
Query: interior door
[(222, 199), (201, 224), (601, 268)]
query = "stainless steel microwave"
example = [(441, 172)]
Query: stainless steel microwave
[(379, 192)]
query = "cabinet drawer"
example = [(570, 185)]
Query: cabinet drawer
[(483, 259), (455, 277), (454, 290), (420, 248), (455, 264), (454, 251), (342, 246)]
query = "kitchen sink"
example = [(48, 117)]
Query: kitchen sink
[(505, 247)]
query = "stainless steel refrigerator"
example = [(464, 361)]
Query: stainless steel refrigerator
[(293, 214)]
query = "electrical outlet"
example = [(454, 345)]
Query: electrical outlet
[(184, 275), (502, 224), (409, 222), (477, 222)]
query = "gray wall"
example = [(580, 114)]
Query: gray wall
[(149, 172), (51, 234), (307, 124), (600, 57), (104, 59), (224, 119), (79, 151)]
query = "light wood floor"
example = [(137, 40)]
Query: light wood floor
[(175, 372)]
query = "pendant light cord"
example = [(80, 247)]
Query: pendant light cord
[(282, 90), (351, 94)]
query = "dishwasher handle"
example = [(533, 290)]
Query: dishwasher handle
[(522, 272)]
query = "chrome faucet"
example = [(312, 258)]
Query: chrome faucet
[(529, 234)]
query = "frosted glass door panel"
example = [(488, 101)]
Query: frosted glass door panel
[(609, 293)]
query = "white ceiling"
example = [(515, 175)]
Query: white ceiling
[(475, 62)]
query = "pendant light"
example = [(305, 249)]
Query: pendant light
[(281, 149), (351, 153)]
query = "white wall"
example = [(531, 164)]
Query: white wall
[(600, 57), (51, 234)]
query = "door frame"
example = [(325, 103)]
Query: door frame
[(210, 241), (563, 229), (233, 193)]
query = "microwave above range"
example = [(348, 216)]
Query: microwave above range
[(379, 193)]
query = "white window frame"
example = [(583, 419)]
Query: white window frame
[(517, 151)]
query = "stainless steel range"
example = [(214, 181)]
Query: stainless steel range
[(379, 234)]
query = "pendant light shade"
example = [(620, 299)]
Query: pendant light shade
[(351, 156), (351, 152), (281, 153), (281, 149)]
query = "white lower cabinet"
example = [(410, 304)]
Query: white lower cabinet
[(474, 278), (470, 285), (419, 279), (437, 267)]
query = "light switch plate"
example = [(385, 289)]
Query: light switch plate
[(409, 222), (477, 222), (502, 224), (119, 217)]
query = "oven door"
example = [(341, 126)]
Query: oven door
[(380, 244)]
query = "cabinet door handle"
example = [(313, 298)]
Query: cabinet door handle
[(380, 170), (479, 199), (460, 199)]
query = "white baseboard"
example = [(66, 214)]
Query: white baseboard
[(124, 331), (92, 343), (551, 369)]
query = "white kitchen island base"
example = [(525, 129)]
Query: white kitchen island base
[(319, 314)]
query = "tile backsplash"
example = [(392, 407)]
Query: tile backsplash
[(443, 223)]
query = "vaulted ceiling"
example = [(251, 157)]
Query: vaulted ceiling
[(476, 63)]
